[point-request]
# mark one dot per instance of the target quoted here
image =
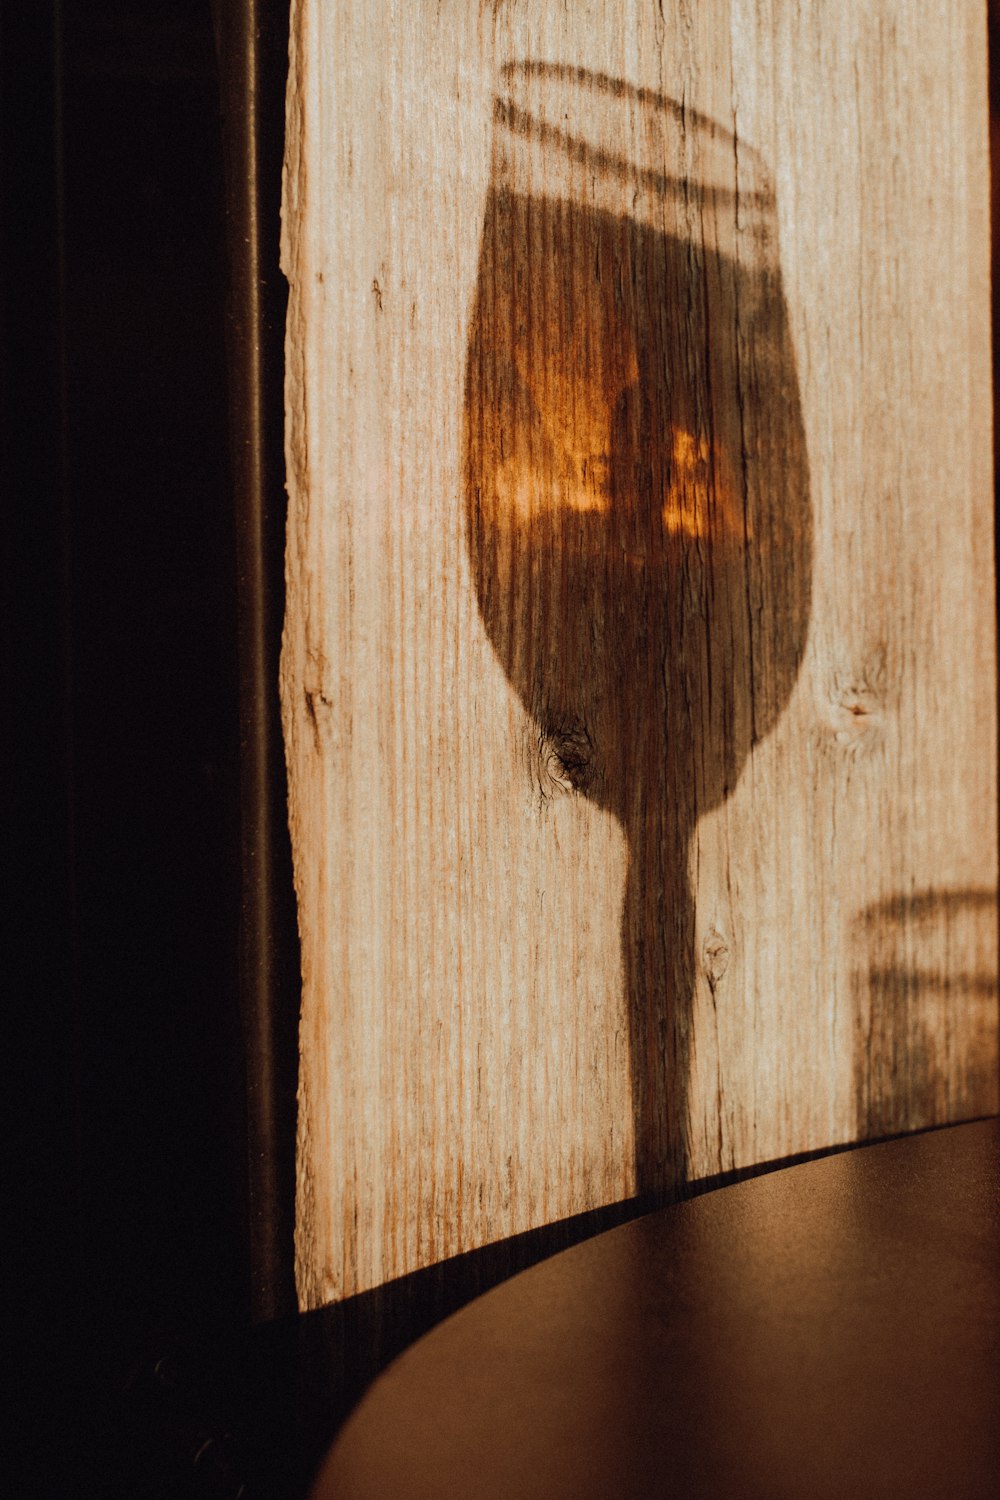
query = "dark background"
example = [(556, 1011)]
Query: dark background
[(122, 738), (139, 1087)]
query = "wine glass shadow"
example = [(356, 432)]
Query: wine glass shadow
[(636, 500), (924, 987)]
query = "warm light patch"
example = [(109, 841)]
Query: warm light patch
[(576, 386), (581, 483), (686, 507), (572, 389)]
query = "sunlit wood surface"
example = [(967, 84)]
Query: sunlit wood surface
[(639, 676)]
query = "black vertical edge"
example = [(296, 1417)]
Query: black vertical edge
[(993, 55), (41, 1020), (252, 44), (993, 36)]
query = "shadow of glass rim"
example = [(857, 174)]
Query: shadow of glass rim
[(521, 122)]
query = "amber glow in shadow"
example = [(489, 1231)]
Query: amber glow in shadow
[(584, 485)]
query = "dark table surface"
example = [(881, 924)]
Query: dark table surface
[(829, 1329)]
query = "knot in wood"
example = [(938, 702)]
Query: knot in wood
[(858, 702), (567, 753), (715, 956)]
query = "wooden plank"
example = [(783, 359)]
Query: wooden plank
[(639, 670)]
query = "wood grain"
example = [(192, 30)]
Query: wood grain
[(639, 674)]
